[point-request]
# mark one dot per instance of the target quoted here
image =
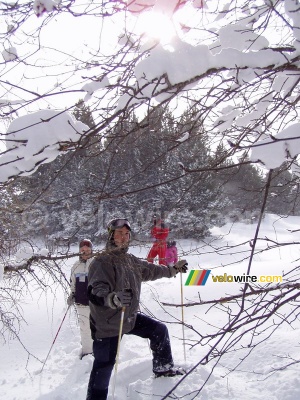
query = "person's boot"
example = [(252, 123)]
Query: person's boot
[(175, 371)]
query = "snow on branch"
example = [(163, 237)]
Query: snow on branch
[(35, 260), (36, 139)]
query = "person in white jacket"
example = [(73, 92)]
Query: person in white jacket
[(78, 295)]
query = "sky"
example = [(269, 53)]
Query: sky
[(65, 376)]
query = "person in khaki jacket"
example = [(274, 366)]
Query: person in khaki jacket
[(114, 288), (78, 295)]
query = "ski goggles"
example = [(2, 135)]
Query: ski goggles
[(118, 223)]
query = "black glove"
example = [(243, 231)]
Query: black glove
[(119, 299), (181, 266)]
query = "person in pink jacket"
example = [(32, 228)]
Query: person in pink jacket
[(171, 253)]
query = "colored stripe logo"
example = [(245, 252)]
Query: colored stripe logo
[(197, 277)]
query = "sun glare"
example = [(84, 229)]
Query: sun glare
[(156, 26)]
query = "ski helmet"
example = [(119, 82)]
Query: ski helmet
[(118, 223), (115, 224)]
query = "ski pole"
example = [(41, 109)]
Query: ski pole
[(55, 337), (182, 316), (118, 352)]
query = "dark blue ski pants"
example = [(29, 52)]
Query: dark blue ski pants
[(105, 351)]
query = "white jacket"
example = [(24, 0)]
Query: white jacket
[(79, 281)]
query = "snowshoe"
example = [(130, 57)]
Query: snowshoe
[(170, 373)]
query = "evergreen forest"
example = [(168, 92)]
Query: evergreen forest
[(136, 171)]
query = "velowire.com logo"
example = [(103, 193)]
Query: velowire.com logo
[(199, 277)]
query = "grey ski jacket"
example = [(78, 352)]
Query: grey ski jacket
[(112, 271)]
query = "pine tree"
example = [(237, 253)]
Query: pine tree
[(283, 198)]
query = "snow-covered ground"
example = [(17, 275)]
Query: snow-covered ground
[(65, 376)]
